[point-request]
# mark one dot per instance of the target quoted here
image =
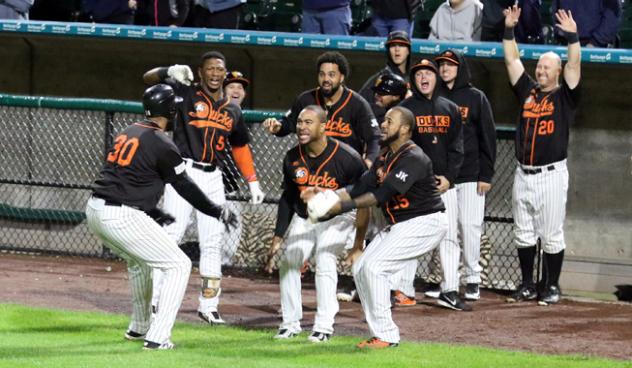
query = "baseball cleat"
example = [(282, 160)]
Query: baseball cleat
[(346, 295), (472, 292), (150, 345), (550, 295), (133, 335), (285, 333), (523, 293), (432, 290), (212, 318), (452, 301), (402, 300), (375, 343), (318, 337)]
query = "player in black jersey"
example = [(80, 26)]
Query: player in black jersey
[(207, 123), (129, 186), (322, 162), (349, 116), (402, 181), (541, 177)]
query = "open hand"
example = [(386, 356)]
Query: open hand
[(565, 21), (512, 15)]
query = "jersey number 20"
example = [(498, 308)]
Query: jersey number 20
[(124, 150)]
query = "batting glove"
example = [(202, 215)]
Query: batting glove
[(181, 73), (228, 217), (320, 204), (256, 194)]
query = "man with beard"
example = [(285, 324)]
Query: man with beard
[(403, 183), (349, 116), (207, 121), (439, 133), (397, 62), (475, 176), (316, 162)]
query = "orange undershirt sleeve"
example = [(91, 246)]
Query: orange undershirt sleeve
[(245, 163)]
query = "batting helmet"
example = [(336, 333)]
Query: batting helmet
[(390, 84), (160, 100)]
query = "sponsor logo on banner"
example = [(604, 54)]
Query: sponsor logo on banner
[(240, 39), (347, 45), (599, 58), (373, 45), (462, 50), (110, 31), (266, 40), (140, 33), (11, 26), (214, 37), (86, 30), (429, 49), (161, 35), (293, 41), (61, 29), (521, 52), (188, 36), (320, 43), (625, 59), (36, 28)]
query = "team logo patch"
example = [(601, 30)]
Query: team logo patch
[(301, 175), (201, 110), (401, 176)]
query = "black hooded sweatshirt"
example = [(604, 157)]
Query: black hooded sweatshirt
[(479, 129), (438, 131), (368, 93)]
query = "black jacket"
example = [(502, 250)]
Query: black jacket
[(479, 129)]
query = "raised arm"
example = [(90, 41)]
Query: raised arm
[(572, 70), (510, 47)]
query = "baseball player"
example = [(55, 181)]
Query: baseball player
[(206, 124), (475, 175), (397, 62), (127, 191), (235, 86), (403, 182), (440, 135), (323, 162), (541, 177), (349, 116)]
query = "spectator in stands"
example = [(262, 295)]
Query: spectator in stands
[(597, 21), (393, 15), (235, 87), (170, 13), (58, 10), (529, 28), (110, 11), (224, 14), (326, 17), (15, 9), (457, 20), (397, 62)]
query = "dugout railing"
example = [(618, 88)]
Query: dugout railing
[(52, 149)]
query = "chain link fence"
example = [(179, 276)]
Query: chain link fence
[(52, 150)]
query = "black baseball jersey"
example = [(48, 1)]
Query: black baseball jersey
[(409, 172), (544, 121), (137, 167), (204, 127), (438, 132), (350, 120), (336, 167)]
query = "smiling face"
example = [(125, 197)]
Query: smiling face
[(236, 92), (548, 71), (309, 127), (425, 81), (399, 53), (212, 74), (329, 79)]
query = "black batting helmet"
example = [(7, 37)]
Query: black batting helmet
[(160, 100), (390, 84)]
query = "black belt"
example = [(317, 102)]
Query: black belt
[(203, 167), (537, 170), (109, 202)]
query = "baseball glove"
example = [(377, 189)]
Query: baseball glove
[(320, 204)]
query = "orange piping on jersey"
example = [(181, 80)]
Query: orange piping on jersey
[(212, 148), (333, 116), (388, 169), (245, 163), (524, 144), (535, 127), (147, 126), (204, 150), (300, 151)]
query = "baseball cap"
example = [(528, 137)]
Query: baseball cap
[(448, 55), (424, 64), (389, 84), (398, 37), (236, 77)]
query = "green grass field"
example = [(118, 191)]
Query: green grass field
[(32, 337)]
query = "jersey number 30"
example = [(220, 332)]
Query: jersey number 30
[(124, 150)]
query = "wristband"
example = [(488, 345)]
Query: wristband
[(508, 34), (162, 73), (571, 37), (347, 206)]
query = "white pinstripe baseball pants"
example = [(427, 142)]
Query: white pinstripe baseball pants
[(326, 240), (449, 254), (539, 206), (209, 228), (385, 256), (138, 239), (471, 212)]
